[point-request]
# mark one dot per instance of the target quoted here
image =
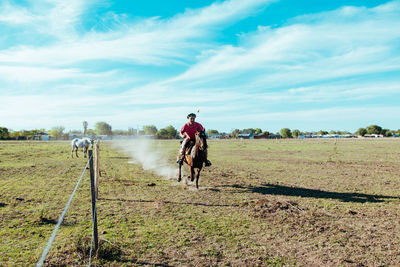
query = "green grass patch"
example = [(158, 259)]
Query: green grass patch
[(263, 202)]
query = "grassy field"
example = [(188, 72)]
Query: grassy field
[(263, 202)]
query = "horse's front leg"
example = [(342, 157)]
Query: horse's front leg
[(197, 178), (192, 174), (76, 151), (84, 152), (179, 173), (72, 152)]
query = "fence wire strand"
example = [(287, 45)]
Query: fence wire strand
[(53, 235)]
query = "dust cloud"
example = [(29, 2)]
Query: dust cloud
[(149, 155)]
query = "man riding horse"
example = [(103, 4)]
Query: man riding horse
[(188, 133)]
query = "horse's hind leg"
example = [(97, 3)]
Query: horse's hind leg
[(197, 178)]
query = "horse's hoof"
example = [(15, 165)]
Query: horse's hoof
[(179, 179)]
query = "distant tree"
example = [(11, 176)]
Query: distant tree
[(57, 132), (235, 133), (31, 133), (168, 132), (103, 128), (248, 130), (4, 134), (374, 129), (361, 131), (343, 132), (75, 132), (85, 125), (257, 131), (16, 134), (162, 133), (90, 132), (322, 132), (266, 133), (149, 129), (211, 132), (172, 132), (119, 132), (332, 132), (296, 133), (286, 133), (386, 132)]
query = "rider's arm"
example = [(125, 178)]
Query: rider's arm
[(183, 135), (182, 132)]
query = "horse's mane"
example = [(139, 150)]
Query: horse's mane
[(200, 143)]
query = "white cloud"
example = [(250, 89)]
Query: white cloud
[(328, 47), (16, 15), (49, 18), (153, 41), (35, 74), (327, 58)]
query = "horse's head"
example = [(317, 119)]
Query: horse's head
[(200, 140)]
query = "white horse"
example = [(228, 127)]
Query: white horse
[(77, 143)]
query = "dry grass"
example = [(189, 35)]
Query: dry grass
[(306, 203)]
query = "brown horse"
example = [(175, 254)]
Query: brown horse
[(195, 158)]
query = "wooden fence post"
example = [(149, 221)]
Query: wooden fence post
[(94, 213), (97, 167)]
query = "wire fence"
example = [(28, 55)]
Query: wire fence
[(94, 194)]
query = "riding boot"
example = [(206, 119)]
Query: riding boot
[(207, 162), (181, 156)]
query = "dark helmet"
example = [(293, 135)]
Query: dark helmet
[(191, 115)]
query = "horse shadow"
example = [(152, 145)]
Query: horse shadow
[(276, 189)]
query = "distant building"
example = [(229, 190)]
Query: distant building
[(373, 136), (245, 136), (326, 136), (274, 136), (214, 136), (41, 136), (261, 136)]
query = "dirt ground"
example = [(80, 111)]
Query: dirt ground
[(261, 203)]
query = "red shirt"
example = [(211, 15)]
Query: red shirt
[(191, 130)]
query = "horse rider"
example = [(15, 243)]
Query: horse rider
[(188, 133)]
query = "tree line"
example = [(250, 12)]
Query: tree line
[(101, 128), (169, 132), (288, 133)]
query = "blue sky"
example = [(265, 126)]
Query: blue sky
[(308, 65)]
